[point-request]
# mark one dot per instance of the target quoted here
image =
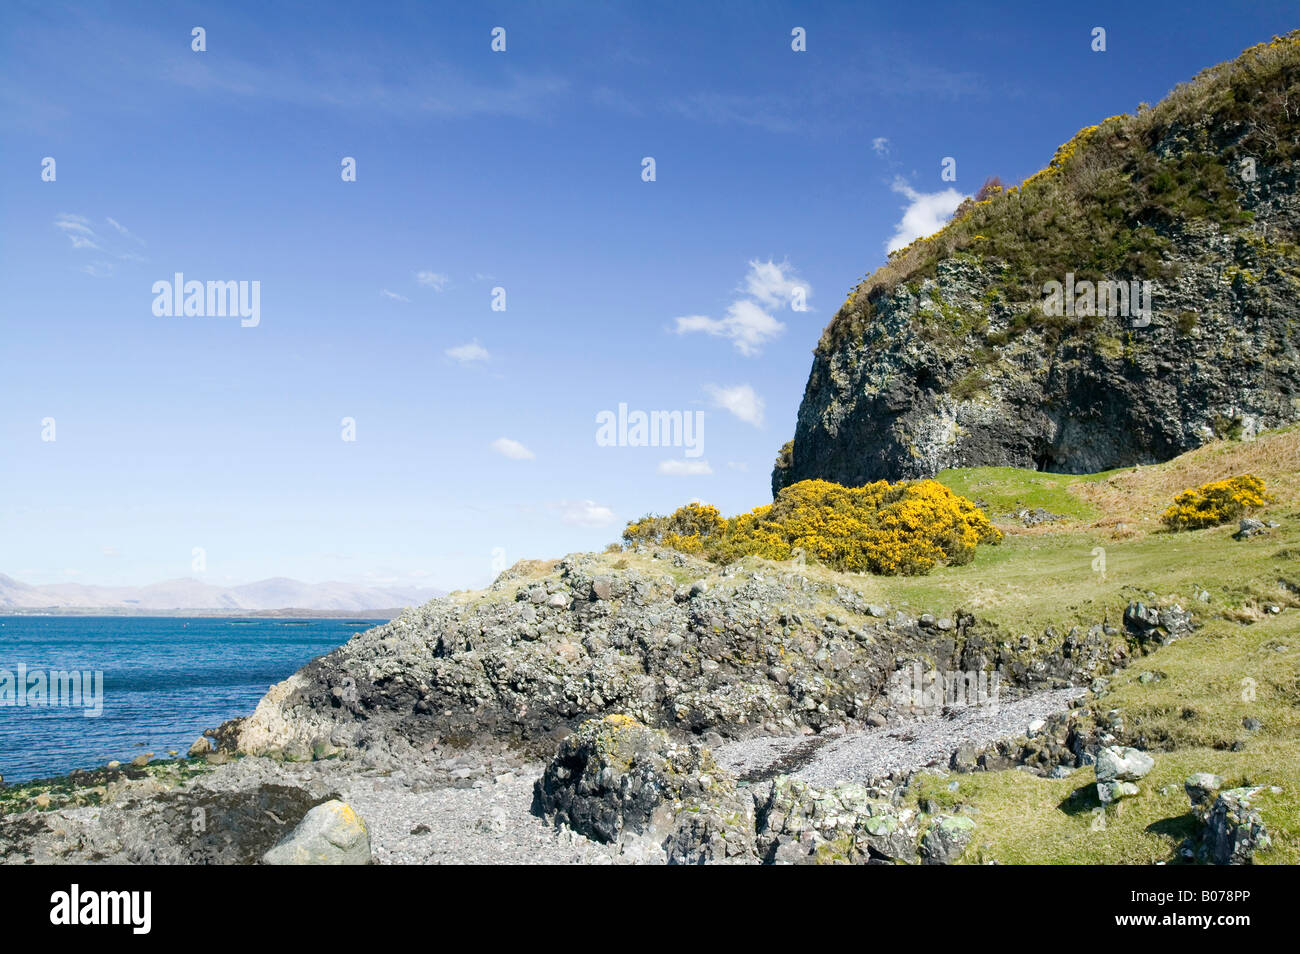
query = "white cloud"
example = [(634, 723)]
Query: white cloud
[(747, 325), (585, 513), (78, 231), (684, 468), (774, 284), (512, 449), (881, 145), (73, 223), (122, 229), (393, 295), (468, 353), (925, 214), (82, 235), (434, 280), (740, 401), (738, 465)]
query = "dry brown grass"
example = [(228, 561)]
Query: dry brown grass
[(1136, 498)]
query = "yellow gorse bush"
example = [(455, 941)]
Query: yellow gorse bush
[(907, 527), (1214, 503)]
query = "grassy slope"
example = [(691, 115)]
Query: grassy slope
[(1194, 715)]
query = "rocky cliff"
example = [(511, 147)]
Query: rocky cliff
[(1001, 340)]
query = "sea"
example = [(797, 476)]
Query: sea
[(157, 682)]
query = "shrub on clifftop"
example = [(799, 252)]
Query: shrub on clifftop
[(906, 527)]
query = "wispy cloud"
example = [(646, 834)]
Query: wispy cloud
[(585, 513), (343, 78), (393, 295), (512, 449), (429, 279), (773, 112), (881, 145), (684, 468), (82, 236), (468, 353), (122, 229), (740, 400), (77, 229), (924, 214)]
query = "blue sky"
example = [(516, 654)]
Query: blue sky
[(476, 170)]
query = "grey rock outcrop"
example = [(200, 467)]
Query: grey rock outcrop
[(746, 650)]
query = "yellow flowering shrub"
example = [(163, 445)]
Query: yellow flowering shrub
[(1211, 504), (907, 527)]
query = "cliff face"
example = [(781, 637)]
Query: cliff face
[(954, 354)]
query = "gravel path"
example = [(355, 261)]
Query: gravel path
[(872, 753)]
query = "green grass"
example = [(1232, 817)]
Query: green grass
[(1031, 581), (1008, 489)]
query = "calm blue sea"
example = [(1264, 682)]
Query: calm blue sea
[(166, 679)]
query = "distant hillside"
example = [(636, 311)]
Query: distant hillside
[(187, 594), (950, 356)]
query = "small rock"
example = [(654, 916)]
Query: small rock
[(200, 748), (1249, 527), (1201, 788), (1109, 792)]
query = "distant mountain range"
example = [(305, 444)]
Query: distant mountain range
[(278, 593)]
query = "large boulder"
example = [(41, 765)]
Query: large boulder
[(1120, 763), (330, 834)]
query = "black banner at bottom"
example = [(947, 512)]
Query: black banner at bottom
[(142, 904)]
